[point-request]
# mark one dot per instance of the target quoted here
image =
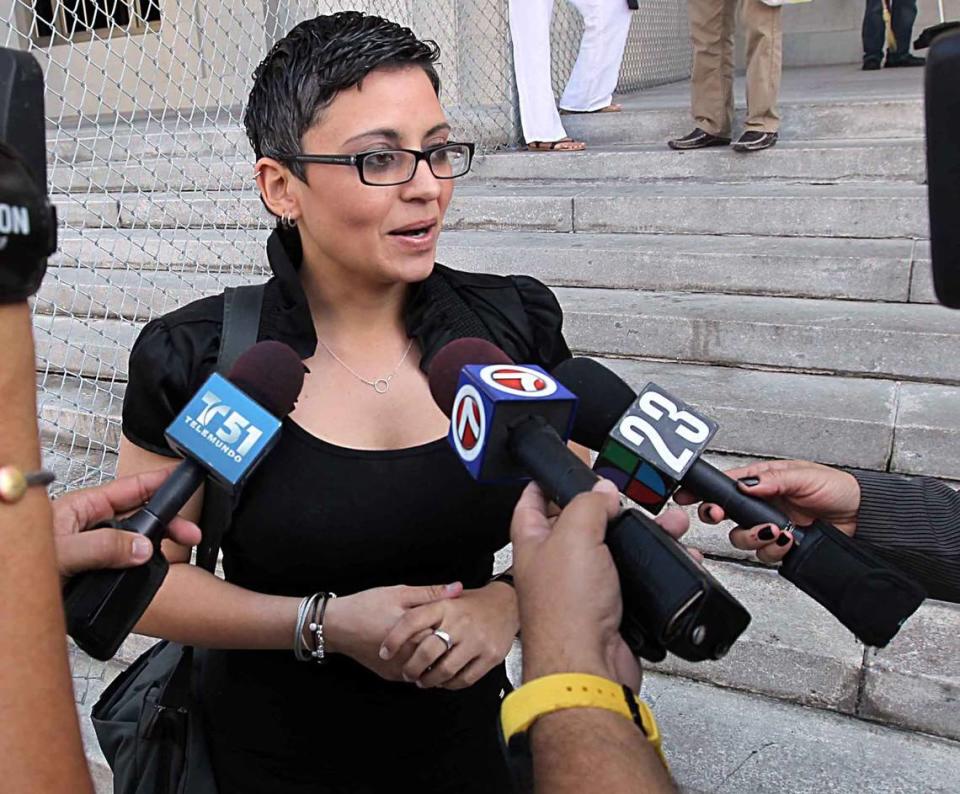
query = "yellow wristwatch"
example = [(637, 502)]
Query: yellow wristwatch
[(521, 708)]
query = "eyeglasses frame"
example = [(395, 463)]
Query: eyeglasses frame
[(356, 160)]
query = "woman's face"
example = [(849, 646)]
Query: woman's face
[(383, 235)]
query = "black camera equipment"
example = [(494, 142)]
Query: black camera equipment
[(942, 99), (28, 223)]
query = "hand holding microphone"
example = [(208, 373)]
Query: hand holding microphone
[(805, 492), (223, 432), (80, 547), (568, 589)]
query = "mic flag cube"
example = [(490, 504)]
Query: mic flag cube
[(489, 400), (652, 446), (224, 430)]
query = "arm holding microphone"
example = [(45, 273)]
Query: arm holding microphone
[(652, 443), (570, 613), (913, 523)]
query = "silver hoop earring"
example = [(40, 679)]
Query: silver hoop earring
[(286, 221)]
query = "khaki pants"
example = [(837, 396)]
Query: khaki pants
[(712, 31)]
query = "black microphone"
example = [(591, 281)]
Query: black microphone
[(509, 422), (651, 443), (223, 432)]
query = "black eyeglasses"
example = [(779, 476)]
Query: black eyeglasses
[(387, 167)]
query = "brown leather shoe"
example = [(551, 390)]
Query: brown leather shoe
[(698, 139), (755, 140)]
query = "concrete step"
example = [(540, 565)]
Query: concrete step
[(842, 421), (797, 651), (92, 347), (832, 161), (851, 209), (79, 413), (801, 267), (162, 174), (829, 161), (806, 335), (777, 209), (820, 103), (148, 140), (78, 468), (927, 439), (189, 250), (732, 330), (642, 123), (784, 333), (720, 740), (130, 294), (915, 681)]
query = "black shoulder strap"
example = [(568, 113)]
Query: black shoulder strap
[(241, 326), (242, 307)]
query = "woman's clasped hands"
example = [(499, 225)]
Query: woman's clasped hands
[(455, 641)]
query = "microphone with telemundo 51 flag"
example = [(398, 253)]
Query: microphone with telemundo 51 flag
[(224, 432), (509, 422), (651, 443)]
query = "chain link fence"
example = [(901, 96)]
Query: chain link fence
[(152, 173)]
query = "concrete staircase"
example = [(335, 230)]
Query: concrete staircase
[(786, 293)]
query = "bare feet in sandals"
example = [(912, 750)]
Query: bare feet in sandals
[(563, 145), (613, 107)]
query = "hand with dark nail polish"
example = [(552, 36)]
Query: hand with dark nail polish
[(766, 534), (783, 540), (749, 481)]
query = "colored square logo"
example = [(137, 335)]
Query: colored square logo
[(224, 429)]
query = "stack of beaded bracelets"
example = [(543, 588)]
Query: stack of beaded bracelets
[(310, 614)]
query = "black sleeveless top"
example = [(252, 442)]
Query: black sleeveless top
[(316, 516)]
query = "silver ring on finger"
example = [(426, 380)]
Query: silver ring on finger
[(444, 637)]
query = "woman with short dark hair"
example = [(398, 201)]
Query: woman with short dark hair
[(362, 496)]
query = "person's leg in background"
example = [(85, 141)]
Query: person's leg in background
[(763, 29), (606, 25), (903, 13), (711, 82), (530, 31), (874, 34)]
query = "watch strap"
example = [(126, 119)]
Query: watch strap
[(546, 695)]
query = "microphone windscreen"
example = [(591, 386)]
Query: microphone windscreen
[(453, 357), (603, 399), (943, 164), (272, 374)]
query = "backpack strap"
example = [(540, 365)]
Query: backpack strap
[(242, 307)]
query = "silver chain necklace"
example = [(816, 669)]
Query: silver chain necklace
[(380, 385)]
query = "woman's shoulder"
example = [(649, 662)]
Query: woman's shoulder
[(518, 313), (172, 356), (182, 338)]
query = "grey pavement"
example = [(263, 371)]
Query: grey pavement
[(721, 741)]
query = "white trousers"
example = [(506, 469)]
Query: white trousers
[(606, 24)]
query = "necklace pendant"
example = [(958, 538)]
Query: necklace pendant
[(380, 385)]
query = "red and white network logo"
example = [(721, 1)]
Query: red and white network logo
[(518, 381), (468, 423)]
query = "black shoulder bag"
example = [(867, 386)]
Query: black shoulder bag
[(148, 721)]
